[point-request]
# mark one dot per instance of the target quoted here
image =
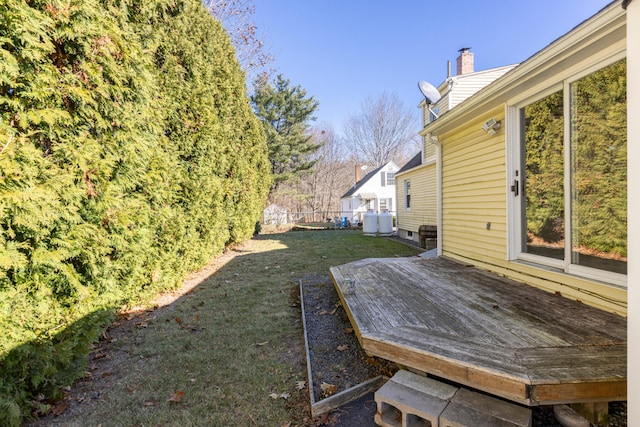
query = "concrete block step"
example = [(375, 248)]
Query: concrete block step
[(411, 400), (468, 408)]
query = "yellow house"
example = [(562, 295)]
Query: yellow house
[(527, 177), (418, 208)]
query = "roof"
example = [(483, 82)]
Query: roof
[(363, 181), (414, 162), (605, 31)]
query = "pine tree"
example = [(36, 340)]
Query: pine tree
[(285, 113)]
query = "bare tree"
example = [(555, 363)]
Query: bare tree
[(236, 16), (383, 130), (330, 176)]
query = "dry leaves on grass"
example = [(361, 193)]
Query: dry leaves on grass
[(275, 396), (58, 409), (189, 327), (176, 397)]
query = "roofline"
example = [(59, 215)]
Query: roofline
[(430, 162), (442, 86), (598, 27), (353, 190)]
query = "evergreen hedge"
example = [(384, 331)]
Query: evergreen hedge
[(129, 156)]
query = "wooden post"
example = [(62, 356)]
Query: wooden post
[(595, 412)]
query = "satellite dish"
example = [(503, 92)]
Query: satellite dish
[(431, 95)]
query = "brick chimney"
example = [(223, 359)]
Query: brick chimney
[(358, 168), (464, 63)]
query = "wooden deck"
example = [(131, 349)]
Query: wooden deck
[(484, 331)]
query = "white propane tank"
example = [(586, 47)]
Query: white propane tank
[(370, 223), (385, 223)]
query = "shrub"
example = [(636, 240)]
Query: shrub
[(130, 156)]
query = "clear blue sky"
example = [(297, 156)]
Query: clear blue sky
[(343, 51)]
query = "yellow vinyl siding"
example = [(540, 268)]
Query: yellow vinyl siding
[(429, 151), (475, 193), (423, 198), (473, 178)]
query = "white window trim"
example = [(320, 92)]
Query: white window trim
[(407, 183), (513, 155)]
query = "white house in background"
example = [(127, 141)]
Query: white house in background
[(375, 191)]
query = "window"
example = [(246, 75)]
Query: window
[(571, 212), (543, 177), (383, 204), (390, 178), (387, 178), (407, 194)]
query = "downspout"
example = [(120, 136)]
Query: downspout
[(434, 140)]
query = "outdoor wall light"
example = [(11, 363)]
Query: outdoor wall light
[(491, 125)]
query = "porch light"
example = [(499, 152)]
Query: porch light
[(491, 125)]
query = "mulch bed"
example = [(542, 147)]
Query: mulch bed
[(336, 356)]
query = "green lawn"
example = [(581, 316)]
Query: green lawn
[(220, 354)]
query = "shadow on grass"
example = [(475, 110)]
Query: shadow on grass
[(37, 369), (228, 350)]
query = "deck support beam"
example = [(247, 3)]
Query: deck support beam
[(594, 412)]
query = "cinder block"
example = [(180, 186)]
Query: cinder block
[(425, 385), (411, 400), (471, 409), (567, 417)]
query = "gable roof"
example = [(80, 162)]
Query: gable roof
[(605, 31), (366, 178), (414, 162), (456, 89), (363, 181)]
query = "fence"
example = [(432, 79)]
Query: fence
[(283, 217)]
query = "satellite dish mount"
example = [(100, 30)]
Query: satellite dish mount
[(431, 95)]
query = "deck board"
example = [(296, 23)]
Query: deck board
[(484, 331)]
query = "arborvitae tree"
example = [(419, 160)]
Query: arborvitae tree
[(129, 154), (599, 160), (544, 136), (285, 112), (71, 102), (218, 141)]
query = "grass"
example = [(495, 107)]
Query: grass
[(220, 354)]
